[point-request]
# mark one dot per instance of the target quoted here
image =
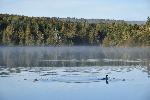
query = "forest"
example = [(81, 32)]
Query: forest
[(19, 30)]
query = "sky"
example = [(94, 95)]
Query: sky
[(132, 10)]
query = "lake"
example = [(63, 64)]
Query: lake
[(74, 73)]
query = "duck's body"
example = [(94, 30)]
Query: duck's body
[(106, 78)]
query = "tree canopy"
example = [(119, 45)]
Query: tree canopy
[(35, 31)]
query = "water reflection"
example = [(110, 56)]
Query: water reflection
[(107, 74), (72, 71), (72, 56)]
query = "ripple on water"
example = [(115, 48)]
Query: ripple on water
[(74, 75)]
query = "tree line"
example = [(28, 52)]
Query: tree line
[(37, 31)]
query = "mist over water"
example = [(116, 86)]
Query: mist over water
[(76, 73), (71, 56)]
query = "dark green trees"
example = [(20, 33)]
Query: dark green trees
[(23, 30)]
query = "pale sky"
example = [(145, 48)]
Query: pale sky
[(98, 9)]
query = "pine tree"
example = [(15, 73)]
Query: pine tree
[(7, 35)]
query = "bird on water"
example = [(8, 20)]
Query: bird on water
[(106, 78)]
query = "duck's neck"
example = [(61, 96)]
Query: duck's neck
[(106, 77)]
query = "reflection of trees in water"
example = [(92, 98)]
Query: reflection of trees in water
[(148, 67), (74, 56)]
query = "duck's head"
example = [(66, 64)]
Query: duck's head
[(106, 75)]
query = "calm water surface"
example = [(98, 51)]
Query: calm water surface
[(74, 73)]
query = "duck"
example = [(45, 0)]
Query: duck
[(106, 78)]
